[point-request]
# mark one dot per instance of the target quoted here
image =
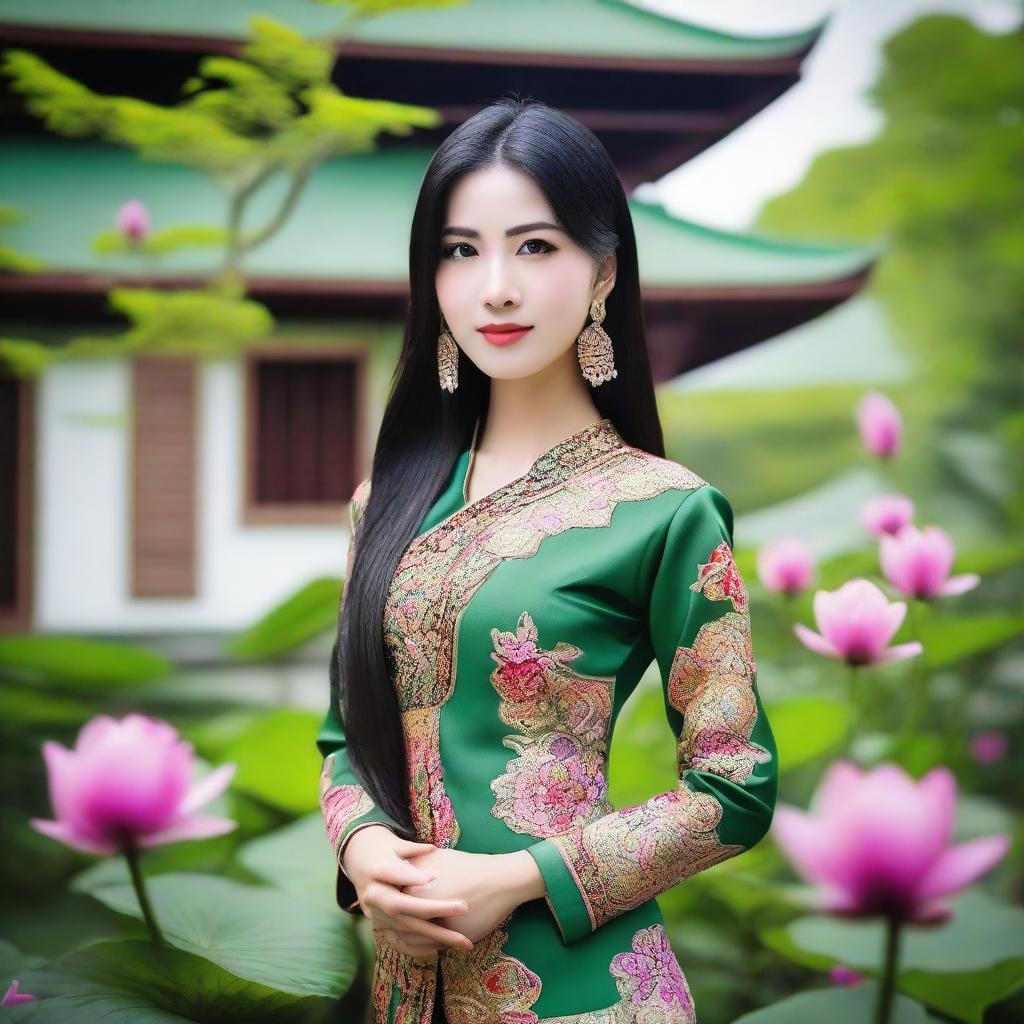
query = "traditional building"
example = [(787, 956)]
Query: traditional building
[(191, 494)]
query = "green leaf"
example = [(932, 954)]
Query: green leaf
[(24, 357), (81, 664), (29, 707), (806, 727), (278, 761), (307, 613), (952, 639), (974, 960), (841, 1005), (135, 982), (256, 933), (273, 857)]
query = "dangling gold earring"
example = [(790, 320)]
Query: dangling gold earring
[(594, 348), (447, 359)]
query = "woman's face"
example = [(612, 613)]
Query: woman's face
[(504, 259)]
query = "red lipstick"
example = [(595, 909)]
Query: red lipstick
[(503, 334)]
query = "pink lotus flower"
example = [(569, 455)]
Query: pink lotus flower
[(880, 424), (840, 975), (127, 785), (785, 566), (878, 843), (917, 562), (989, 747), (133, 220), (886, 514), (857, 622), (12, 996)]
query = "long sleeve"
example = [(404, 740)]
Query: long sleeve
[(346, 807), (727, 760)]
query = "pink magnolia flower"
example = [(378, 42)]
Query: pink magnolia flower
[(133, 220), (886, 514), (127, 784), (918, 562), (878, 843), (785, 566), (841, 975), (989, 747), (12, 996), (857, 621), (880, 424)]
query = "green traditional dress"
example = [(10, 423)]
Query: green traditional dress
[(516, 628)]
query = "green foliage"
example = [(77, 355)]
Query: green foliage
[(196, 321), (254, 932), (11, 259), (160, 243), (807, 727), (305, 614), (273, 858), (78, 664), (952, 639), (853, 1005), (972, 961), (24, 357), (942, 178), (134, 982), (277, 758), (242, 121)]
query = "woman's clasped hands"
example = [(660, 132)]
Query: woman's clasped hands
[(377, 863), (419, 898)]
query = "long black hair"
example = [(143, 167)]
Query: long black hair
[(425, 429)]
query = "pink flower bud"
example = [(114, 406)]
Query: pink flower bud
[(127, 784), (856, 623), (785, 566), (989, 747), (12, 996), (877, 843), (880, 424), (917, 563), (886, 514), (133, 220)]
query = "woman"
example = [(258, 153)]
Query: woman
[(520, 555)]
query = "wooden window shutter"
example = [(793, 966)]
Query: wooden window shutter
[(304, 429), (164, 483), (17, 493)]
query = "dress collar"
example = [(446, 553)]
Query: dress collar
[(561, 461)]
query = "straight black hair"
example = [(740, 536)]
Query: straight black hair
[(424, 428)]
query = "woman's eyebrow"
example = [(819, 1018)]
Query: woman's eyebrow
[(520, 230)]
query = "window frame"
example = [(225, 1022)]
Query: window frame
[(259, 513)]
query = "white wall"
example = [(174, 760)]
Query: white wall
[(82, 501)]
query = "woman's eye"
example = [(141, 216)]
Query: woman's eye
[(450, 250)]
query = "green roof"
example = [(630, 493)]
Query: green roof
[(853, 344), (351, 223), (598, 28)]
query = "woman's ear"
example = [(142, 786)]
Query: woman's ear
[(606, 276)]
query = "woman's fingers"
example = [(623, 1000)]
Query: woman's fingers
[(421, 906), (400, 872), (415, 947), (408, 847), (445, 936)]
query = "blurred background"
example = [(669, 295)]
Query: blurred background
[(204, 214)]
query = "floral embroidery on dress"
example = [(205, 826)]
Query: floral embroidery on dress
[(416, 981), (559, 778), (651, 982), (719, 579), (577, 484), (652, 987), (636, 853), (340, 805), (484, 984)]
